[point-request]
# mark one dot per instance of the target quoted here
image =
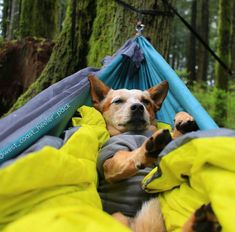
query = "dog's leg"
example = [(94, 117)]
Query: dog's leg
[(184, 123), (125, 164)]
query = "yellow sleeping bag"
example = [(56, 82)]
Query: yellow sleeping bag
[(55, 190), (196, 173)]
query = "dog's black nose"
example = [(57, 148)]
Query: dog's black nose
[(137, 108)]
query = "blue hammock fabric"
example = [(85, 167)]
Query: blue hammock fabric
[(135, 65)]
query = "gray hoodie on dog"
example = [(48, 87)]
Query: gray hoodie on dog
[(125, 196)]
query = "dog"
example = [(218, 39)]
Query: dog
[(130, 119)]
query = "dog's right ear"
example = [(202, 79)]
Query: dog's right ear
[(158, 93), (98, 90)]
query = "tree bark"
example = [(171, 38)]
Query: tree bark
[(202, 52), (191, 60), (224, 52), (21, 62), (83, 37), (224, 43)]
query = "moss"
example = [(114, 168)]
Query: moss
[(39, 18)]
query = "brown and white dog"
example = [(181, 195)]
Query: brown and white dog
[(134, 110)]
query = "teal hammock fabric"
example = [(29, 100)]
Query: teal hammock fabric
[(135, 65), (122, 73)]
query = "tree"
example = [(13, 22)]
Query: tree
[(202, 57), (39, 18), (179, 37), (91, 30), (233, 39), (224, 52), (23, 55), (114, 24), (224, 42), (22, 18), (191, 60)]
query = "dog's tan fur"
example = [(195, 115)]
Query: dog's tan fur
[(125, 164)]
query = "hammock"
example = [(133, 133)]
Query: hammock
[(135, 65)]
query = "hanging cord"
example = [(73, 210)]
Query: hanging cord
[(226, 68), (144, 12), (140, 14)]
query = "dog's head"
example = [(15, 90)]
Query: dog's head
[(127, 110)]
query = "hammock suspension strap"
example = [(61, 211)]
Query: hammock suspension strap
[(171, 13)]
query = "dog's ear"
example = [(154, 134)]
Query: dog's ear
[(158, 93), (98, 90)]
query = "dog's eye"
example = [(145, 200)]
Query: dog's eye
[(117, 101), (146, 101)]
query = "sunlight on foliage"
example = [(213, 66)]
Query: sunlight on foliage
[(208, 97)]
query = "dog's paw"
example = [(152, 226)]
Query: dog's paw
[(185, 123), (157, 142), (205, 220)]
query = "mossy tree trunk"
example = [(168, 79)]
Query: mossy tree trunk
[(39, 18), (224, 52), (22, 18), (93, 29), (224, 42), (114, 24), (69, 53)]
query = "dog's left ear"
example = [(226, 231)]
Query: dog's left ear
[(98, 90), (158, 93)]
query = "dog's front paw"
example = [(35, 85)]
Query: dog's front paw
[(184, 123), (186, 126), (157, 142)]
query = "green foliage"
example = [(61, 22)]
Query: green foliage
[(183, 74), (209, 99)]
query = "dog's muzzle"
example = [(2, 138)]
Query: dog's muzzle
[(137, 120)]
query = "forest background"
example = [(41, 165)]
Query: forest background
[(43, 41)]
